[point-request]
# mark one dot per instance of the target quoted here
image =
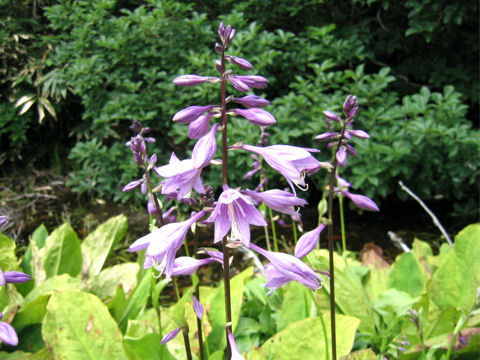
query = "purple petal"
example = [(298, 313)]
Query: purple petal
[(256, 116), (170, 336), (190, 113), (3, 220), (253, 81), (252, 101), (238, 83), (16, 277), (233, 347), (326, 136), (362, 201), (205, 149), (8, 334), (198, 308), (200, 126), (332, 116), (190, 80), (244, 64), (185, 265), (308, 241), (359, 133), (132, 185), (342, 156)]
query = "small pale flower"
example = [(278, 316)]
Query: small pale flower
[(185, 265), (197, 307), (233, 347), (342, 156), (256, 116), (362, 201), (7, 333)]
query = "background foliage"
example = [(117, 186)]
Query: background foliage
[(79, 71)]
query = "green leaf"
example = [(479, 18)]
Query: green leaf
[(8, 260), (78, 326), (216, 339), (455, 282), (33, 307), (97, 246), (306, 337), (408, 275), (365, 354), (138, 300), (105, 284), (147, 348), (61, 253), (296, 305)]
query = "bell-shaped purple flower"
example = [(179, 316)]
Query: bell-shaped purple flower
[(205, 149), (7, 333), (256, 116), (191, 113), (291, 161), (284, 268), (13, 277), (278, 200), (163, 244), (251, 101), (233, 348), (308, 241), (180, 176), (170, 335), (191, 80), (236, 212), (362, 201)]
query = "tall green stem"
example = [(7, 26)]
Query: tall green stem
[(342, 224), (274, 232)]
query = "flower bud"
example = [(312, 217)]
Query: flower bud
[(350, 106), (253, 81), (256, 116), (332, 116), (244, 64), (200, 126), (190, 113), (252, 101), (190, 80), (238, 83)]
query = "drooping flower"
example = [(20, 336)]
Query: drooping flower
[(200, 126), (163, 244), (191, 113), (256, 116), (278, 200), (205, 149), (308, 241), (284, 268), (241, 62), (362, 201), (291, 161), (170, 335), (185, 265), (251, 101), (180, 176), (7, 333), (236, 212), (197, 307), (233, 348), (13, 277), (191, 80)]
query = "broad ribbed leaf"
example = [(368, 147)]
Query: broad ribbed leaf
[(78, 326), (61, 254), (97, 246)]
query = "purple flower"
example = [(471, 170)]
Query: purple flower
[(163, 243), (284, 268), (185, 265), (205, 149), (308, 241), (13, 277), (3, 220), (197, 307), (350, 106), (233, 348), (278, 200), (236, 212), (190, 80), (291, 161), (326, 136), (199, 127), (226, 33), (7, 333), (362, 201), (238, 84), (253, 81), (251, 101), (170, 336), (256, 116), (244, 64), (341, 156), (191, 113), (181, 176), (358, 133), (332, 116)]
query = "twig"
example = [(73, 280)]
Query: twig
[(429, 212)]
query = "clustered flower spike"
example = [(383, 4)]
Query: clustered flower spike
[(340, 142)]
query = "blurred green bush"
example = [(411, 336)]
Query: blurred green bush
[(102, 63)]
